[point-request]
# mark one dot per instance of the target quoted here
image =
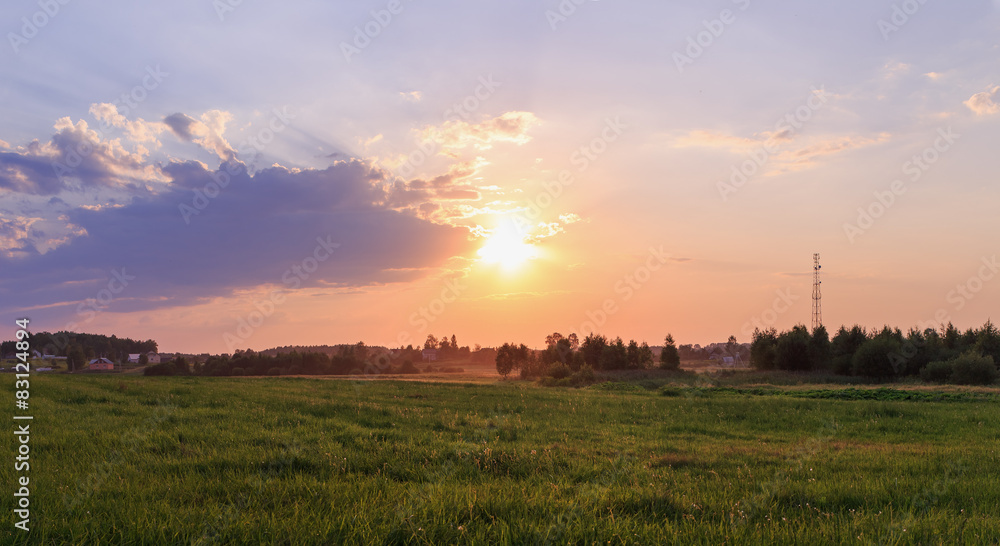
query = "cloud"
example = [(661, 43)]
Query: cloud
[(511, 127), (206, 132), (412, 96), (985, 103), (14, 234), (521, 295), (777, 147), (423, 195), (249, 235), (75, 158), (138, 130)]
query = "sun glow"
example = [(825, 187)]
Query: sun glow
[(507, 248)]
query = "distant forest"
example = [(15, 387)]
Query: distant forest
[(357, 359), (945, 356), (81, 348)]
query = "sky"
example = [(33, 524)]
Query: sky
[(224, 174)]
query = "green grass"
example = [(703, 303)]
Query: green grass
[(120, 460)]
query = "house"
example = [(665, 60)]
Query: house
[(430, 355), (133, 358), (101, 364)]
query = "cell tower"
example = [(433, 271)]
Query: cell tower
[(817, 294)]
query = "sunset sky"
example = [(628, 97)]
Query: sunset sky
[(221, 175)]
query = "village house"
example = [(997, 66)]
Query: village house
[(102, 364), (154, 358)]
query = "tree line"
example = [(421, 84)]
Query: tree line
[(357, 359), (565, 356), (81, 348), (945, 355)]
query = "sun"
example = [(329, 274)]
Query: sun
[(507, 248)]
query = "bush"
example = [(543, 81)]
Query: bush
[(238, 371), (558, 371), (585, 374), (973, 369), (165, 369), (408, 368), (274, 371), (936, 372)]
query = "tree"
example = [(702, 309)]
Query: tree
[(574, 341), (552, 339), (75, 358), (844, 346), (632, 355), (615, 355), (182, 366), (592, 349), (792, 351), (143, 359), (645, 355), (988, 341), (874, 358), (510, 357), (431, 343), (819, 349), (454, 343), (763, 349), (670, 359), (524, 360)]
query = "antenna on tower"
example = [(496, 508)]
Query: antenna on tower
[(817, 294)]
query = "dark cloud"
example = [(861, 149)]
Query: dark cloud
[(180, 124), (74, 154), (250, 233)]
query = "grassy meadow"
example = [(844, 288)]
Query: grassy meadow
[(133, 460)]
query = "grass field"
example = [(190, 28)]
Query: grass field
[(126, 460)]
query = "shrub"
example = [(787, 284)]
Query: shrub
[(936, 372), (295, 369), (164, 369), (973, 369), (238, 371), (274, 371), (408, 368), (585, 374), (558, 371)]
